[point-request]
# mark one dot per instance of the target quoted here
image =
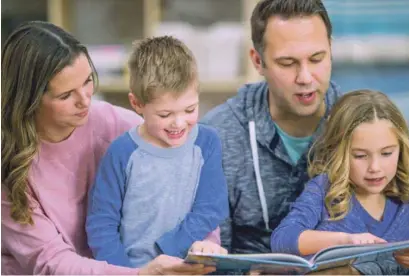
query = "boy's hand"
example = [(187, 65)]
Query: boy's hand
[(402, 257), (207, 247), (364, 238)]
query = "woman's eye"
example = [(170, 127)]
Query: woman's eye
[(65, 96)]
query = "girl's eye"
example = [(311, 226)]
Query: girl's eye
[(359, 156), (163, 116), (191, 110), (386, 153)]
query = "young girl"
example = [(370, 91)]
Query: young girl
[(359, 192)]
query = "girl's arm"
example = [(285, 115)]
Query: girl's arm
[(41, 249), (305, 215), (312, 241)]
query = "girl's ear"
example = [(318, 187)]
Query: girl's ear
[(135, 103)]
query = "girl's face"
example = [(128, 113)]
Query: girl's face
[(65, 104), (374, 156)]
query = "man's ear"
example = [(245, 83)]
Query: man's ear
[(135, 103), (257, 61)]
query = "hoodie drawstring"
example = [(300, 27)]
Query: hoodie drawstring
[(254, 152)]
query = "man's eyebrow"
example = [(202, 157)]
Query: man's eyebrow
[(319, 53), (293, 58)]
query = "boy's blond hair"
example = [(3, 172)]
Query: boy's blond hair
[(330, 152), (161, 65)]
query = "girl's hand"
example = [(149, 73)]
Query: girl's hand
[(207, 247), (168, 265), (363, 238), (402, 257)]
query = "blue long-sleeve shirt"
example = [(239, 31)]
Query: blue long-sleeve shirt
[(148, 200), (309, 213)]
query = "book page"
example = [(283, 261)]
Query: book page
[(345, 252), (265, 263)]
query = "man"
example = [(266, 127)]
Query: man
[(268, 128)]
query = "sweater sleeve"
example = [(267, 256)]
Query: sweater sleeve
[(305, 214), (40, 248), (105, 205), (209, 209)]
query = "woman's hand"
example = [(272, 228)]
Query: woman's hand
[(207, 247), (168, 265), (402, 257)]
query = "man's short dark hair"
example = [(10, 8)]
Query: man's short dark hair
[(286, 9)]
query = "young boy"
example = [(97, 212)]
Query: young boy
[(160, 186)]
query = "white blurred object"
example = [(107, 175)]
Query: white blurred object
[(224, 42), (217, 49), (374, 48), (191, 36), (109, 61)]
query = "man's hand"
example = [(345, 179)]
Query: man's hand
[(402, 257)]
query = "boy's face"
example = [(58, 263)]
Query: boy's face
[(168, 120), (374, 156)]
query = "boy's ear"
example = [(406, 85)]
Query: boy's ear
[(135, 103)]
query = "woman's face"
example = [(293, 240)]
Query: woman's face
[(65, 104)]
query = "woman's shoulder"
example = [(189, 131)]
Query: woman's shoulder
[(110, 121)]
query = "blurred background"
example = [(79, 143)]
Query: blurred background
[(370, 40)]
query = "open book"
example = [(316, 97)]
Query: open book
[(276, 263)]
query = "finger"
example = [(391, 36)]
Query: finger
[(379, 240), (254, 272), (223, 251)]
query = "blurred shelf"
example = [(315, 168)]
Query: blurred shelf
[(208, 87)]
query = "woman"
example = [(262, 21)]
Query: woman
[(52, 141)]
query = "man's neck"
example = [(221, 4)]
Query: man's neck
[(298, 126)]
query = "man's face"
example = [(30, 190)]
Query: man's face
[(297, 65)]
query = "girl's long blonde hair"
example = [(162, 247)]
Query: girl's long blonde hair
[(32, 55), (330, 154)]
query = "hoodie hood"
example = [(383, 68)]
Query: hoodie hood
[(251, 104), (250, 107)]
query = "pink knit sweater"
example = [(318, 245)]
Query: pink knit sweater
[(59, 180)]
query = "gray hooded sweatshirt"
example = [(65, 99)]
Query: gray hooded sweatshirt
[(261, 178)]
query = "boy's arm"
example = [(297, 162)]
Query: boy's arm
[(304, 215), (209, 209), (214, 236), (104, 209)]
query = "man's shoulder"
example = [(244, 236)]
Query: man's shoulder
[(333, 93), (218, 115)]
